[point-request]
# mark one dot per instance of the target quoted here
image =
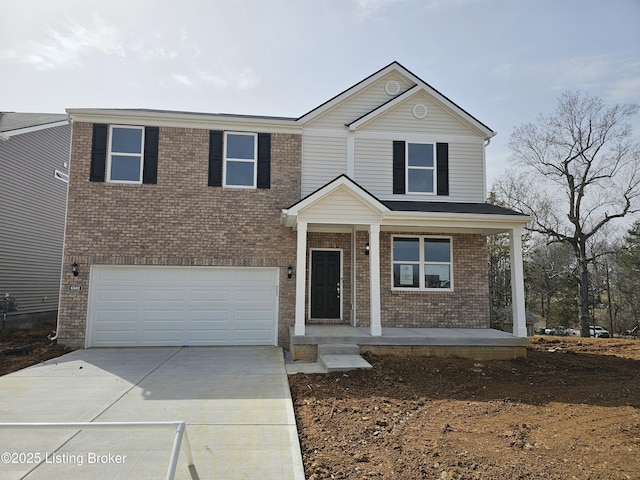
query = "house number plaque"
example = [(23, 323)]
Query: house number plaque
[(75, 288)]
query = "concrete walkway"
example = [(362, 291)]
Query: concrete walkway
[(235, 401)]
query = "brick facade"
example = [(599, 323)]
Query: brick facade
[(181, 221), (467, 306), (178, 221)]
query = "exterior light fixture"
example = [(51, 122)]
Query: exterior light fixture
[(366, 249), (74, 269), (289, 271)]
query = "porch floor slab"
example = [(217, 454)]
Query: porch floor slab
[(470, 337)]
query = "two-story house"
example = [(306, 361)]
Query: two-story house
[(212, 229)]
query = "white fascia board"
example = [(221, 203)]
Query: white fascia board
[(185, 120), (289, 216), (325, 107), (342, 181), (422, 87), (466, 221), (385, 107), (488, 133), (20, 131)]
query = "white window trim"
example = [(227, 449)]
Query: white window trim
[(244, 160), (421, 263), (140, 155), (407, 168)]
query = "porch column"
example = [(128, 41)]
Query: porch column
[(374, 279), (517, 283), (301, 275)]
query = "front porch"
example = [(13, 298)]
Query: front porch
[(474, 343)]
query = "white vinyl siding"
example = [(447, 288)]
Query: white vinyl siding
[(156, 306), (401, 119), (373, 171), (324, 158), (358, 105), (33, 203), (340, 207)]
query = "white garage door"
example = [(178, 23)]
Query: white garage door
[(155, 306)]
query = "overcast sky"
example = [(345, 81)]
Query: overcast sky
[(504, 61)]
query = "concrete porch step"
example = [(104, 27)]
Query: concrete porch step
[(338, 349), (338, 363)]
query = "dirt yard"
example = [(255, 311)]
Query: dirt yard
[(571, 410), (22, 348)]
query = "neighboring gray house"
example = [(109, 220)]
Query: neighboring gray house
[(34, 167)]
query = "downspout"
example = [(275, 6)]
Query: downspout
[(487, 142), (66, 213)]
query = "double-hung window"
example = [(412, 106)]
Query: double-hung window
[(240, 159), (422, 263), (421, 168), (126, 154)]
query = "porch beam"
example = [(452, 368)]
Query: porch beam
[(301, 275), (374, 278), (517, 283)]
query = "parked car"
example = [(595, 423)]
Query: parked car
[(598, 332)]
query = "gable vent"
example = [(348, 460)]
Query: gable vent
[(420, 110), (392, 87)]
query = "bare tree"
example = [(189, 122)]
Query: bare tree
[(581, 171)]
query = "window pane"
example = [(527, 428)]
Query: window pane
[(406, 249), (406, 275), (437, 250), (240, 174), (420, 181), (240, 146), (125, 168), (420, 155), (437, 276), (126, 140)]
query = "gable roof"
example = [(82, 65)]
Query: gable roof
[(342, 182), (482, 217), (12, 123), (419, 85)]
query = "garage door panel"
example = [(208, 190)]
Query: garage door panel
[(117, 294), (208, 337), (151, 317), (210, 295), (144, 305), (253, 296), (164, 295), (220, 316), (116, 316)]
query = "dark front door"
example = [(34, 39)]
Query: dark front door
[(325, 284)]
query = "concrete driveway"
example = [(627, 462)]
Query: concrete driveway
[(235, 401)]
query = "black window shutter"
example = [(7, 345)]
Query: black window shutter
[(98, 152), (150, 167), (442, 167), (264, 160), (215, 158), (399, 167)]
